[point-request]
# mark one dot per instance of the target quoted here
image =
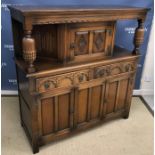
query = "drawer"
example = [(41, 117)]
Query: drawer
[(114, 69), (62, 81)]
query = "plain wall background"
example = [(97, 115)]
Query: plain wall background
[(147, 80), (124, 35)]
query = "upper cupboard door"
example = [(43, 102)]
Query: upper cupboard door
[(88, 41)]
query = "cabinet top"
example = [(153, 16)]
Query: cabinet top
[(52, 9), (69, 14)]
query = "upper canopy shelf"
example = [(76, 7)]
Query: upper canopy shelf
[(71, 14), (78, 41)]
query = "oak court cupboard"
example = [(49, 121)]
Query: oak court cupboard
[(70, 74)]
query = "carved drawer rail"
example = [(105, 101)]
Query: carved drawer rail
[(75, 78)]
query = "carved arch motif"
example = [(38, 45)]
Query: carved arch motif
[(47, 84), (64, 81), (81, 77)]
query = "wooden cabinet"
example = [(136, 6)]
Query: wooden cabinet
[(70, 75)]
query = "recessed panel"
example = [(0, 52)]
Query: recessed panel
[(122, 94), (47, 113), (99, 41), (82, 105), (111, 100), (63, 111), (81, 43), (46, 40), (95, 102)]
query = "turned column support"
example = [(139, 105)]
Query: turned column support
[(139, 36), (29, 51)]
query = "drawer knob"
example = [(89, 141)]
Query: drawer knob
[(72, 46), (109, 32), (108, 71), (46, 85), (81, 77), (128, 68), (100, 72)]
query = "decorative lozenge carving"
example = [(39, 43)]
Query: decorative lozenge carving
[(99, 41)]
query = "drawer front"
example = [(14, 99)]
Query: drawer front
[(71, 79), (114, 69), (62, 81)]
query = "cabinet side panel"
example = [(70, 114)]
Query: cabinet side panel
[(23, 84), (63, 111), (112, 91), (47, 112), (26, 102), (17, 29), (82, 105), (122, 94), (95, 101), (26, 116), (46, 40)]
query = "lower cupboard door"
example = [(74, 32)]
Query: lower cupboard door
[(56, 113), (89, 103), (118, 94)]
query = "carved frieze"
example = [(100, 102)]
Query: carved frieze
[(65, 80), (74, 78), (81, 76), (114, 69)]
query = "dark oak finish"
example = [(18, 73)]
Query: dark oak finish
[(70, 74)]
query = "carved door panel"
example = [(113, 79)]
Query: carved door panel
[(89, 100), (81, 42), (88, 42), (99, 38), (103, 41), (118, 93), (57, 113)]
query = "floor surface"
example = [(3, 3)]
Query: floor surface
[(132, 136), (149, 99)]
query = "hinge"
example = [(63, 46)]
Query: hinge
[(109, 50), (72, 46), (109, 32), (105, 101)]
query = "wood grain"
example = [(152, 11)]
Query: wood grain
[(70, 75)]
